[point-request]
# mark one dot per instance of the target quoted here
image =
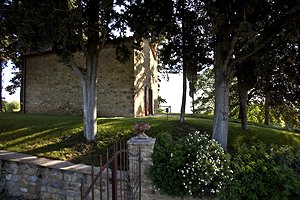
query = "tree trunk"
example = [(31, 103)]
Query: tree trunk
[(183, 101), (184, 67), (298, 41), (240, 112), (243, 107), (89, 76), (22, 69), (193, 103), (223, 52), (220, 127), (89, 88), (1, 86), (267, 108)]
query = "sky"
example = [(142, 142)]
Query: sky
[(7, 71), (170, 90)]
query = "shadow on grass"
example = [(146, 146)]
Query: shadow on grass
[(31, 133)]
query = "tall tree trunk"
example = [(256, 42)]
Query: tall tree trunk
[(1, 107), (89, 88), (222, 54), (183, 101), (88, 74), (267, 107), (298, 41), (240, 111), (184, 65), (193, 103), (243, 107), (220, 127), (192, 81), (22, 69)]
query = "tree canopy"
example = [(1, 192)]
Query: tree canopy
[(254, 44)]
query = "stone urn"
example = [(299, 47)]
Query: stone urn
[(140, 128)]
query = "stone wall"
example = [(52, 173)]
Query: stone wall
[(40, 178), (33, 178), (53, 88), (146, 76)]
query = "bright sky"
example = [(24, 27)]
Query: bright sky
[(7, 71), (170, 90)]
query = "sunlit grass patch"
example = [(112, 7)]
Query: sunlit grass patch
[(61, 137)]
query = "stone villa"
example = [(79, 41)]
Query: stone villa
[(124, 89)]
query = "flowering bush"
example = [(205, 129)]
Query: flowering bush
[(195, 165), (206, 168)]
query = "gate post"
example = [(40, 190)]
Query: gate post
[(146, 147)]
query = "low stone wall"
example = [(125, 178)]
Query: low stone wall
[(40, 178)]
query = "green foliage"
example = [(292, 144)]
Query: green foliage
[(205, 89), (13, 106), (206, 168), (256, 112), (195, 165), (261, 172), (3, 103), (161, 100), (167, 160)]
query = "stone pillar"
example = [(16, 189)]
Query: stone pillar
[(146, 146)]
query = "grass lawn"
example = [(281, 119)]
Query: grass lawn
[(61, 137)]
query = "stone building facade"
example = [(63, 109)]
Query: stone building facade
[(127, 89)]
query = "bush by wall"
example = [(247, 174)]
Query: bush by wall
[(206, 170), (195, 165), (167, 160), (262, 172)]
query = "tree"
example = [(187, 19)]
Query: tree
[(3, 46), (246, 80), (185, 48), (84, 26), (205, 90), (68, 27), (279, 80), (1, 98), (241, 29)]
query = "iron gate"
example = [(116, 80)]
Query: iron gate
[(119, 178)]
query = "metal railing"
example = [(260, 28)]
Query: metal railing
[(118, 179)]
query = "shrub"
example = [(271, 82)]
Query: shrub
[(13, 106), (287, 156), (195, 165), (167, 159), (261, 172), (206, 168)]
